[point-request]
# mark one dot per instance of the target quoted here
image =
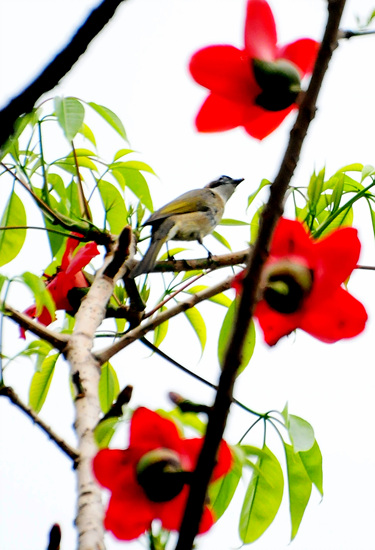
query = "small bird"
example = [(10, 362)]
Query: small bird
[(189, 217)]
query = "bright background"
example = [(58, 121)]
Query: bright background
[(138, 68)]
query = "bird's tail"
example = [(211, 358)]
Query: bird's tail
[(149, 259)]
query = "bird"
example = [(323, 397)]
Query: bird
[(189, 217)]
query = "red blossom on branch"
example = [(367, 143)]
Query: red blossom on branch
[(68, 276), (302, 282), (138, 476), (256, 87)]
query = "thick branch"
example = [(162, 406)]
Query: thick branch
[(85, 371), (215, 262), (151, 324), (58, 68), (7, 391), (270, 216)]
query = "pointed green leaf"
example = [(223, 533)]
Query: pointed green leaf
[(161, 331), (136, 182), (42, 296), (367, 170), (110, 117), (109, 387), (221, 239), (232, 222), (104, 432), (197, 322), (225, 335), (114, 206), (312, 461), (301, 433), (314, 188), (12, 240), (222, 490), (41, 382), (70, 114), (299, 485), (121, 153), (188, 419), (219, 299), (87, 133), (262, 184), (263, 498)]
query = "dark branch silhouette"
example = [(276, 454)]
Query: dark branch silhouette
[(269, 218)]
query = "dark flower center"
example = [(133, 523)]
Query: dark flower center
[(280, 82), (160, 474), (287, 285)]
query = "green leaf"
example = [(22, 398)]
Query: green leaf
[(109, 387), (314, 189), (114, 206), (299, 485), (367, 170), (104, 432), (197, 322), (263, 498), (70, 114), (222, 490), (251, 198), (219, 299), (222, 240), (338, 190), (301, 433), (225, 335), (41, 382), (312, 461), (188, 419), (11, 145), (135, 181), (87, 133), (161, 331), (232, 222), (122, 153), (40, 348), (110, 117), (42, 296), (12, 240)]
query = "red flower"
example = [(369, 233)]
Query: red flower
[(303, 289), (256, 87), (130, 510), (68, 276)]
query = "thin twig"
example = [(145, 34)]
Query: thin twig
[(57, 340), (269, 218), (7, 391)]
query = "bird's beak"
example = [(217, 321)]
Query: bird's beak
[(236, 182)]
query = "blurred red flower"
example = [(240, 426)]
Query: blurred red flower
[(69, 275), (256, 87), (302, 282), (136, 501)]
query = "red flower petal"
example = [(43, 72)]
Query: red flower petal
[(340, 316), (260, 31), (218, 114), (150, 431), (128, 518), (82, 258), (171, 513), (226, 71), (260, 123), (337, 255), (108, 464), (302, 53), (290, 238), (275, 325)]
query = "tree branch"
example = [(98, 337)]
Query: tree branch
[(7, 391), (85, 371), (56, 340), (151, 324), (269, 218), (57, 68)]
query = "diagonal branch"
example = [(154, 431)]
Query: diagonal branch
[(57, 68), (270, 216), (151, 324), (7, 391)]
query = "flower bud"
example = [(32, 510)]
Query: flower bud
[(286, 286), (280, 83), (160, 474)]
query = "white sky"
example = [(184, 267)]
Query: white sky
[(137, 67)]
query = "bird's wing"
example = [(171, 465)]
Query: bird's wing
[(192, 201)]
